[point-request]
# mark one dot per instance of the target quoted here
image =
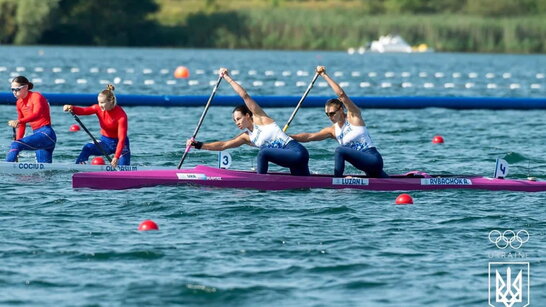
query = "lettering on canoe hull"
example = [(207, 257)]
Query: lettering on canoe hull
[(446, 181), (30, 165), (350, 181), (195, 176)]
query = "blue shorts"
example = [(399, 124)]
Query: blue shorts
[(293, 155), (42, 141), (109, 147), (368, 160)]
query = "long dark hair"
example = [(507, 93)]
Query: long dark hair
[(243, 109), (23, 81)]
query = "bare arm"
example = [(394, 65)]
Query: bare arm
[(237, 141), (259, 115), (353, 112), (323, 134)]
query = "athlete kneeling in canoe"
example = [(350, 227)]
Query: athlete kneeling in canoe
[(350, 131), (113, 124), (32, 108), (261, 131)]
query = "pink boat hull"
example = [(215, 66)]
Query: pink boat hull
[(221, 178)]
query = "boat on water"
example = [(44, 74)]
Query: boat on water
[(223, 178), (390, 44), (34, 167)]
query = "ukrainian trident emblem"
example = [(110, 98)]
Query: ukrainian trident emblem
[(509, 284)]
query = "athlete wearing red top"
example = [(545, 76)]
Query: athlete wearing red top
[(32, 108), (113, 123)]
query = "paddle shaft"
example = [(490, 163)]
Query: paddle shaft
[(14, 137), (92, 137), (200, 120), (300, 103)]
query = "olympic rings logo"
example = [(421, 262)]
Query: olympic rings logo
[(509, 238)]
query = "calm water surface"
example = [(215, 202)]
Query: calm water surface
[(215, 247)]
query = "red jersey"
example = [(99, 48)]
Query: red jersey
[(113, 123), (33, 109)]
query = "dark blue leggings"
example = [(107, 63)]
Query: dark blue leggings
[(42, 141), (293, 155), (368, 160), (109, 146)]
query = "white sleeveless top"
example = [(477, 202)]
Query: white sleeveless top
[(355, 137), (268, 136)]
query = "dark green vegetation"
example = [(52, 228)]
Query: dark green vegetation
[(446, 25)]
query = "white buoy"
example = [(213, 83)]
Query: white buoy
[(355, 74), (389, 74), (164, 71), (104, 81), (60, 81), (279, 83), (251, 72), (39, 69), (81, 81), (286, 73), (149, 82), (37, 80), (405, 74), (469, 85), (93, 70), (491, 86), (199, 72), (439, 75), (490, 75), (74, 69), (170, 82), (365, 84), (322, 84), (111, 70), (300, 84), (344, 84), (406, 84), (193, 82), (456, 75), (269, 73), (535, 86), (515, 86), (56, 69), (472, 75), (128, 82), (372, 74), (147, 71), (449, 85), (428, 85), (507, 75), (338, 74), (386, 84), (257, 83), (423, 74), (117, 80)]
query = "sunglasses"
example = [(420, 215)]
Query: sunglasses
[(330, 114), (17, 89)]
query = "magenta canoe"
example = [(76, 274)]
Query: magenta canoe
[(221, 178)]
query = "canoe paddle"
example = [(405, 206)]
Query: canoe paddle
[(200, 121), (300, 102), (14, 137), (99, 146)]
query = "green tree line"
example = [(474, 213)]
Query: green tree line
[(446, 25)]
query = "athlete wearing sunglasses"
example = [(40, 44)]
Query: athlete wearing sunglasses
[(349, 129), (32, 108)]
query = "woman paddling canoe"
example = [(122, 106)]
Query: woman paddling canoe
[(32, 108), (113, 124), (261, 131), (349, 129)]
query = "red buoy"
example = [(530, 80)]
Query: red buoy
[(404, 199), (97, 161), (74, 128), (181, 72), (437, 139), (148, 225)]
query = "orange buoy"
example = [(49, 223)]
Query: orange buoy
[(97, 161), (181, 72), (437, 139), (404, 199), (74, 128), (148, 225)]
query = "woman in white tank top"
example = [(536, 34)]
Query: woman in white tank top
[(260, 131), (349, 129)]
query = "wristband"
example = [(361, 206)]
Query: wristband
[(197, 144)]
